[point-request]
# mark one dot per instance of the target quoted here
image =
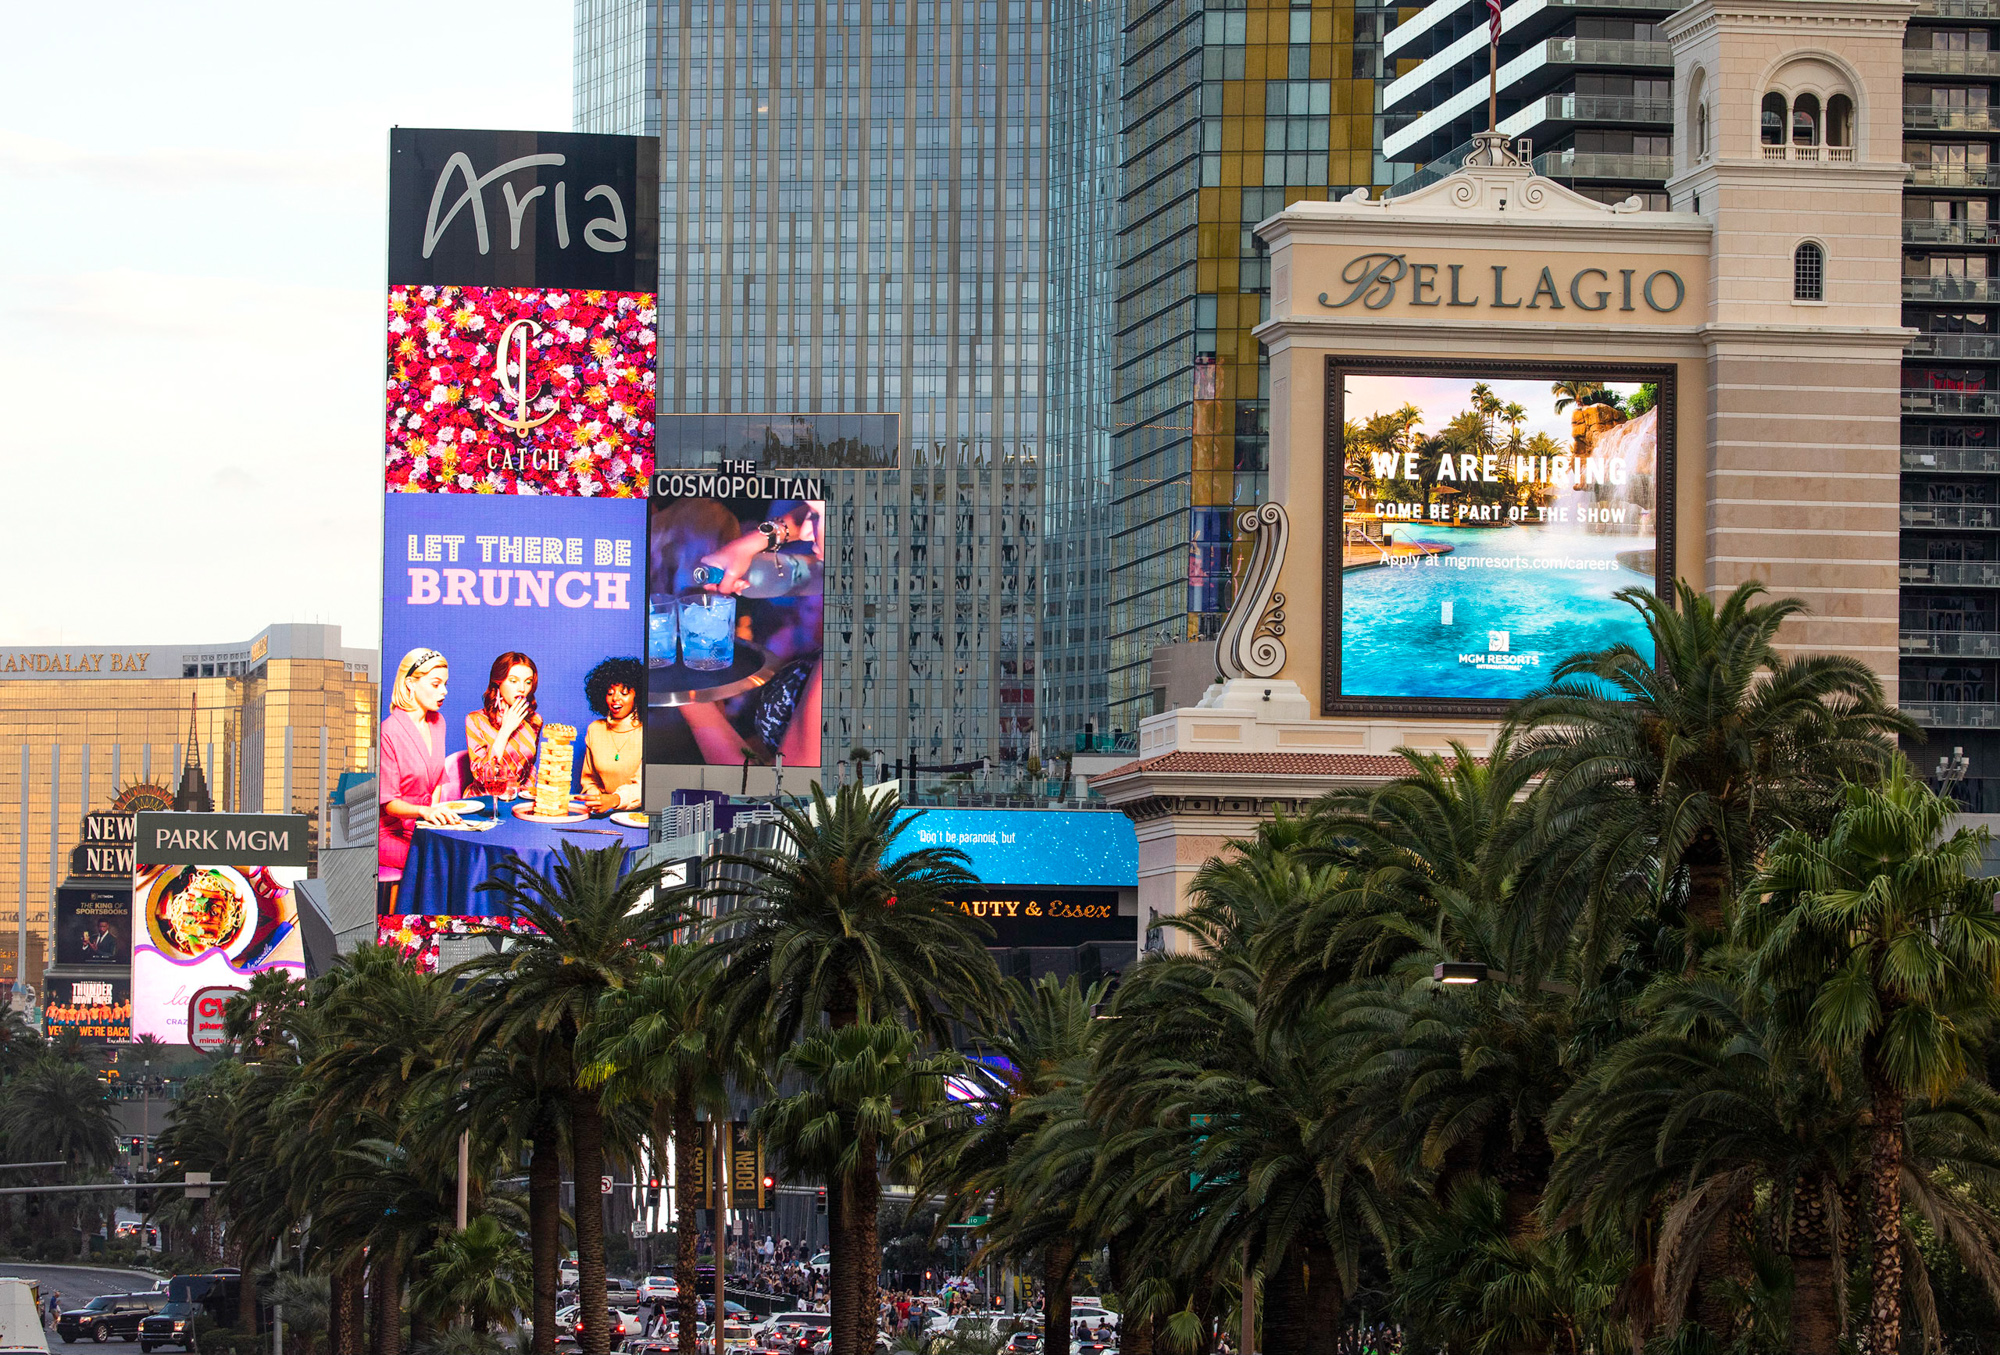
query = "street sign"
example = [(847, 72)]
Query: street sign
[(604, 1185), (197, 1185)]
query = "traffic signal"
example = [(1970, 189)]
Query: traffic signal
[(819, 1204), (767, 1192), (142, 1201)]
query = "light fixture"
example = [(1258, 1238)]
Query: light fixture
[(1459, 971)]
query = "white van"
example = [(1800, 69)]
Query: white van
[(20, 1318)]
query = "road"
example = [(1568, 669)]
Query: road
[(78, 1285)]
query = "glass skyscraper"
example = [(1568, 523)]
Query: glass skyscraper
[(1232, 109), (852, 213)]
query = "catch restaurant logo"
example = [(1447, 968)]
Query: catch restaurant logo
[(1376, 280), (510, 375)]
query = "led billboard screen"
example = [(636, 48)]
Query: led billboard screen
[(511, 714), (734, 617), (98, 1011), (1487, 518), (519, 446), (212, 907), (93, 925)]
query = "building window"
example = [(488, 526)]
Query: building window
[(1840, 120), (1774, 119), (1805, 121), (1809, 273), (1701, 131)]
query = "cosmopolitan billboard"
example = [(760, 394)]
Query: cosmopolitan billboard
[(212, 907), (518, 448), (1046, 878), (1488, 519)]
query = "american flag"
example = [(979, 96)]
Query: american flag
[(1493, 22)]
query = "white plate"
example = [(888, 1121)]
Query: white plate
[(629, 818)]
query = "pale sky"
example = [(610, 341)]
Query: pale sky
[(192, 233)]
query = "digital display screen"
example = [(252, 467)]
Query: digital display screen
[(97, 1011), (207, 926), (1487, 522), (93, 926), (735, 615)]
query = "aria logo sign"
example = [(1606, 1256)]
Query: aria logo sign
[(604, 234), (523, 209)]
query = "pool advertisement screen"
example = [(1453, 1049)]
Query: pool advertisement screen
[(1488, 519)]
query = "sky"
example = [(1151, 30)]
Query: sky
[(192, 227), (1444, 398)]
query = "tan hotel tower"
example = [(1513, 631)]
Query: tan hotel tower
[(1764, 310)]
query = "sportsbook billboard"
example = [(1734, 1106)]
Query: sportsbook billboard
[(212, 907), (1489, 515), (518, 450)]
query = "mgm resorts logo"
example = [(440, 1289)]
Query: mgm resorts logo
[(1375, 280), (1499, 655)]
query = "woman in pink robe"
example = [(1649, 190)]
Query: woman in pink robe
[(413, 761)]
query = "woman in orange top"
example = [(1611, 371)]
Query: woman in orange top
[(504, 735)]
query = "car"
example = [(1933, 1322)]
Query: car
[(566, 1273), (822, 1263), (1094, 1317), (658, 1287), (109, 1315), (1023, 1343)]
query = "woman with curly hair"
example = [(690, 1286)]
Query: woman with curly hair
[(614, 748)]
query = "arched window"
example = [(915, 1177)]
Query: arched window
[(1701, 131), (1809, 273), (1805, 121), (1773, 131), (1840, 121)]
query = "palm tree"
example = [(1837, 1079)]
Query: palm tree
[(57, 1109), (1880, 946), (1011, 1152), (481, 1272), (1667, 773), (656, 1043), (1575, 391), (839, 921), (865, 1084), (591, 926)]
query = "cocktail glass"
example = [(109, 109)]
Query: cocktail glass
[(663, 629), (708, 631)]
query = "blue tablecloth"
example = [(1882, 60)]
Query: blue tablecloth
[(447, 866)]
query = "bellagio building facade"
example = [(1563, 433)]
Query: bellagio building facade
[(272, 721)]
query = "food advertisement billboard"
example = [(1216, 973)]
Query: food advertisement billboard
[(95, 1010), (512, 721), (94, 925), (518, 451), (1488, 518), (735, 613), (212, 907)]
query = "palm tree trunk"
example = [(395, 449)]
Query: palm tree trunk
[(545, 1230), (1286, 1323), (863, 1188), (687, 1223), (347, 1309), (1708, 887), (1885, 1212), (385, 1302), (586, 1134), (1816, 1296), (839, 1287), (1322, 1301), (1058, 1261), (246, 1290)]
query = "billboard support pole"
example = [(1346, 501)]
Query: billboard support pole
[(21, 929), (464, 1170)]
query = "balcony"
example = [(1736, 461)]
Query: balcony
[(1975, 347), (1951, 402), (1952, 460), (1928, 118), (1810, 155), (1951, 644), (1573, 164), (1959, 9), (1609, 52), (1948, 176), (1952, 573), (1573, 107), (1951, 289), (1953, 714), (1950, 233), (1970, 516), (1924, 61)]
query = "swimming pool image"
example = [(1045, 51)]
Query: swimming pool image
[(1492, 616)]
